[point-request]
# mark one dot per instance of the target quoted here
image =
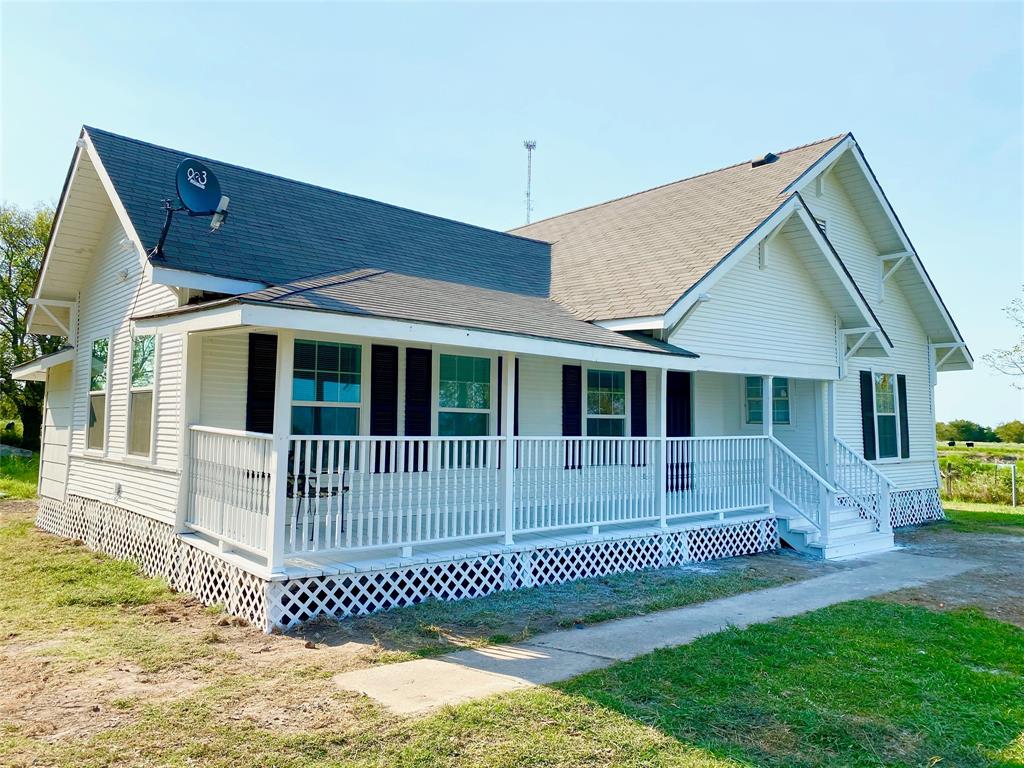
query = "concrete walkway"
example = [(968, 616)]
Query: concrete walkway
[(419, 686)]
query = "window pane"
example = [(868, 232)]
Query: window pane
[(606, 393), (462, 424), (780, 387), (780, 411), (98, 370), (606, 427), (315, 420), (886, 437), (140, 428), (464, 382), (327, 372), (143, 353), (97, 420), (885, 398), (304, 385), (755, 412), (754, 386)]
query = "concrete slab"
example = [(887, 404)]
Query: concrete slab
[(419, 686)]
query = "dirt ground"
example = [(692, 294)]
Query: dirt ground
[(284, 681)]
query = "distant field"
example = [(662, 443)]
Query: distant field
[(1000, 451)]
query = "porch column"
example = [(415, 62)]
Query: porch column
[(663, 449), (191, 382), (829, 403), (282, 430), (768, 428), (508, 415)]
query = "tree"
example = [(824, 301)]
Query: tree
[(1011, 431), (962, 429), (23, 237), (1010, 361)]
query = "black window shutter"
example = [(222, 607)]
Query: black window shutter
[(638, 403), (261, 381), (901, 386), (867, 414), (418, 378), (515, 414), (383, 390), (572, 401)]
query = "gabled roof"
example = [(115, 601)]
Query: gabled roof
[(635, 256), (280, 230), (381, 293)]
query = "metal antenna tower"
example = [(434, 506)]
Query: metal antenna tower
[(529, 145)]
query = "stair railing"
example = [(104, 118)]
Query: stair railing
[(863, 484), (801, 487)]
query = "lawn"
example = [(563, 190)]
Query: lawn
[(103, 667), (18, 475), (966, 517)]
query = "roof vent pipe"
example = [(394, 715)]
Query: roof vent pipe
[(771, 157)]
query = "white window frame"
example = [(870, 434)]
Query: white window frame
[(364, 367), (626, 426), (152, 388), (435, 384), (896, 413), (745, 404), (89, 391)]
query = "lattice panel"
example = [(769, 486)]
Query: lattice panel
[(292, 602), (152, 546), (915, 506)]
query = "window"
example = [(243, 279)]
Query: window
[(326, 388), (96, 431), (754, 397), (464, 396), (885, 416), (140, 397), (606, 403)]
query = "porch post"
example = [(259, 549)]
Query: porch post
[(191, 383), (663, 450), (508, 393), (282, 430), (767, 429), (830, 436)]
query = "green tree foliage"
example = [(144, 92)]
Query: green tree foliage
[(23, 237), (1011, 431), (1010, 361), (962, 429)]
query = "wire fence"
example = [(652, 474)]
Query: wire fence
[(967, 479)]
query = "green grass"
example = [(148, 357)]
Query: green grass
[(966, 517), (859, 684), (18, 476), (1001, 450)]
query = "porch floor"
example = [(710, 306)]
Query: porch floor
[(333, 562)]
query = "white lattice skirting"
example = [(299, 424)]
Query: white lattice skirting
[(285, 604), (909, 507)]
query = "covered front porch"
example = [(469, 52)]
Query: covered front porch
[(321, 490)]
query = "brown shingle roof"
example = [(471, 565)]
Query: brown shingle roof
[(635, 256)]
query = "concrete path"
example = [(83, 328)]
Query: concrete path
[(419, 686)]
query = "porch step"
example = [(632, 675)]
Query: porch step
[(850, 535)]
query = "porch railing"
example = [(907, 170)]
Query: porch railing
[(357, 493), (229, 486), (865, 486)]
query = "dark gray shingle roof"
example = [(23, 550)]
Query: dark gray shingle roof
[(280, 230)]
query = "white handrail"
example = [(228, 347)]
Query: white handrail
[(804, 465), (864, 484), (788, 480), (230, 432), (867, 463)]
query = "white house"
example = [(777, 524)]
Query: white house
[(333, 405)]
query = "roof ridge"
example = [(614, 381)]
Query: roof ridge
[(290, 180), (672, 183)]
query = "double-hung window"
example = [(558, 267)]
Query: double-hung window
[(754, 400), (96, 430), (464, 396), (140, 397), (326, 388), (886, 425), (606, 403)]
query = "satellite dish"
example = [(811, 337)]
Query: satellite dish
[(198, 188)]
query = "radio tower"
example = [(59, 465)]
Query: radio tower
[(529, 145)]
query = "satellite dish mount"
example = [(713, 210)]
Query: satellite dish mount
[(198, 195)]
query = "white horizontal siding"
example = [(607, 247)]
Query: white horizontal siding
[(225, 361), (773, 314), (850, 236), (53, 455)]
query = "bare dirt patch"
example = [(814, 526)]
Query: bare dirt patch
[(997, 588)]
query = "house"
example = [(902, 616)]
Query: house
[(332, 405)]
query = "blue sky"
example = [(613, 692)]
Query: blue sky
[(427, 105)]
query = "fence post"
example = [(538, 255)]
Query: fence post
[(279, 451), (1013, 484), (508, 390)]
